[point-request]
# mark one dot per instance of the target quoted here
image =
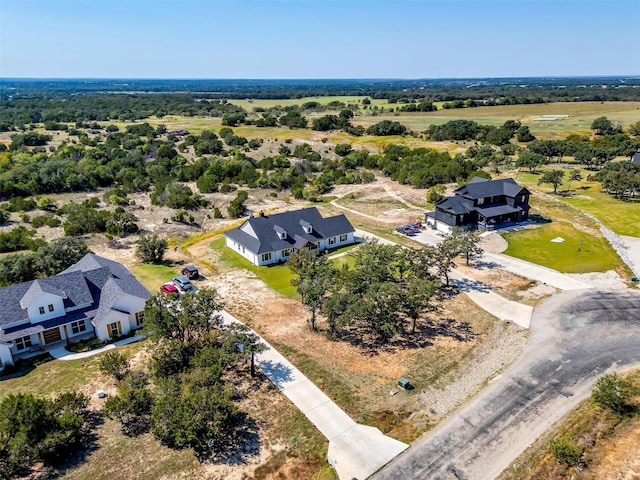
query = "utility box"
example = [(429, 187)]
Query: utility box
[(404, 383)]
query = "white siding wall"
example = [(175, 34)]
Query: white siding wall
[(45, 300), (5, 355), (102, 332), (245, 252)]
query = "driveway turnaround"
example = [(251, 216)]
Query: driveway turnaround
[(479, 293), (534, 271), (356, 451), (576, 336)]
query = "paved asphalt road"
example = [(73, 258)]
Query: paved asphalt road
[(576, 336)]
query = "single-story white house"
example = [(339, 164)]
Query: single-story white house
[(96, 296), (269, 239)]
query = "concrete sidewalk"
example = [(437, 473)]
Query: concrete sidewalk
[(356, 451)]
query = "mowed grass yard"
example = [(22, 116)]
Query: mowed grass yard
[(579, 253), (276, 277)]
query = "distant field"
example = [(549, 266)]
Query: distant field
[(581, 115), (250, 104)]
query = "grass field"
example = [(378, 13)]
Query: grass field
[(250, 104), (57, 376), (154, 275), (579, 253), (622, 217), (276, 277), (581, 115)]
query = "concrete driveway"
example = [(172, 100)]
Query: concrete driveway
[(533, 271), (356, 451), (576, 337)]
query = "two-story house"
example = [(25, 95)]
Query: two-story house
[(96, 296), (265, 240), (483, 204)]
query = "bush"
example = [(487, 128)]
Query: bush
[(114, 364), (612, 392), (151, 248), (565, 451)]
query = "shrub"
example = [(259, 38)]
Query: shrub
[(565, 451), (151, 248), (114, 364)]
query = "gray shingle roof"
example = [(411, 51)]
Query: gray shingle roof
[(453, 205), (94, 281), (293, 222), (482, 188)]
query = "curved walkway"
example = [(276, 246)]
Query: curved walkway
[(356, 451), (61, 353)]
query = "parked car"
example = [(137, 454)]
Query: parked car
[(169, 288), (191, 272), (182, 283)]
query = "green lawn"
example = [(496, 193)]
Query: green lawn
[(579, 253), (57, 376), (154, 275), (276, 277), (620, 216)]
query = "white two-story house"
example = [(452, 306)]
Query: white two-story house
[(96, 296), (264, 240)]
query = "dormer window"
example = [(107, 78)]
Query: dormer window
[(306, 226), (51, 308), (283, 235), (481, 201), (41, 310)]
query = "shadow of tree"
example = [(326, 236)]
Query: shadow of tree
[(468, 285), (481, 265), (89, 445), (246, 444), (276, 372), (426, 331)]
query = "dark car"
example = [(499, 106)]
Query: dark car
[(182, 283), (190, 272), (169, 288)]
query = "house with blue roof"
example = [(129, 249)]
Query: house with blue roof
[(483, 204), (269, 239), (94, 297)]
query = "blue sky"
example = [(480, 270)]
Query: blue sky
[(317, 38)]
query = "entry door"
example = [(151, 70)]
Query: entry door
[(52, 335)]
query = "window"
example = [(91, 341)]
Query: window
[(343, 238), (481, 201), (77, 327), (139, 318), (50, 308), (41, 310), (113, 329), (24, 342), (286, 252), (331, 241), (266, 257)]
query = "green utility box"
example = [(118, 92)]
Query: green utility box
[(404, 383)]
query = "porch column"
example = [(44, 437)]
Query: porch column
[(66, 335), (40, 339)]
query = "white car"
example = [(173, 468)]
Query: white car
[(182, 283)]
